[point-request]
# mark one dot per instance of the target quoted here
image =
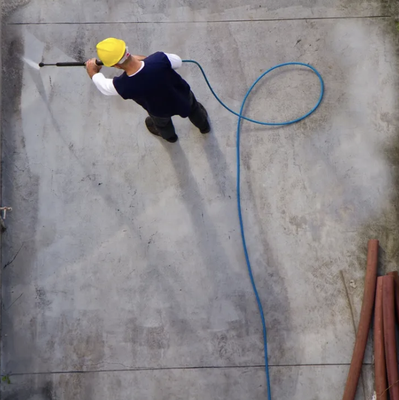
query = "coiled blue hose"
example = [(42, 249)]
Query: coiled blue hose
[(240, 118)]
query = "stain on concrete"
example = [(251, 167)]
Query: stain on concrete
[(78, 44), (85, 342), (384, 227), (10, 6), (48, 391), (30, 392), (16, 168), (42, 300)]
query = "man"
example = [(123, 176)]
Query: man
[(151, 82)]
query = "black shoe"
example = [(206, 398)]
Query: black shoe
[(173, 139), (149, 123), (207, 127)]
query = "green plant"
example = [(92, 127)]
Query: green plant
[(6, 379)]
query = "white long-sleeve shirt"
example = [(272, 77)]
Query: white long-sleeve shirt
[(106, 86)]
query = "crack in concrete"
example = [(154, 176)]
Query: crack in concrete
[(13, 259), (181, 368), (200, 22)]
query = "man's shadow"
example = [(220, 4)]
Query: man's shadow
[(270, 284)]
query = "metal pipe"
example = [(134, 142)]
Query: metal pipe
[(364, 323), (396, 279), (388, 303), (379, 351)]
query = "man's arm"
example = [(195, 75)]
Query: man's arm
[(104, 85), (92, 68), (175, 61)]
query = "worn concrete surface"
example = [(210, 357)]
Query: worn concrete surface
[(314, 382), (123, 252), (192, 10)]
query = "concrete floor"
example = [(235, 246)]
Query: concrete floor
[(125, 277)]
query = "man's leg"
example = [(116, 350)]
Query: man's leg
[(198, 115), (161, 127)]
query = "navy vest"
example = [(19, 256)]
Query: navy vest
[(157, 88)]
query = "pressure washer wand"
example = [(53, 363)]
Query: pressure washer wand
[(67, 64)]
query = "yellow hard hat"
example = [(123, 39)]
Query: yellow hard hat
[(110, 51)]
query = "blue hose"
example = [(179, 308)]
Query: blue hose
[(240, 118)]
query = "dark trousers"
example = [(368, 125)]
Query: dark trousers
[(198, 116)]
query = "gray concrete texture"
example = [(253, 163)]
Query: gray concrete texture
[(124, 275)]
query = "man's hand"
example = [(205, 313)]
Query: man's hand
[(92, 68)]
